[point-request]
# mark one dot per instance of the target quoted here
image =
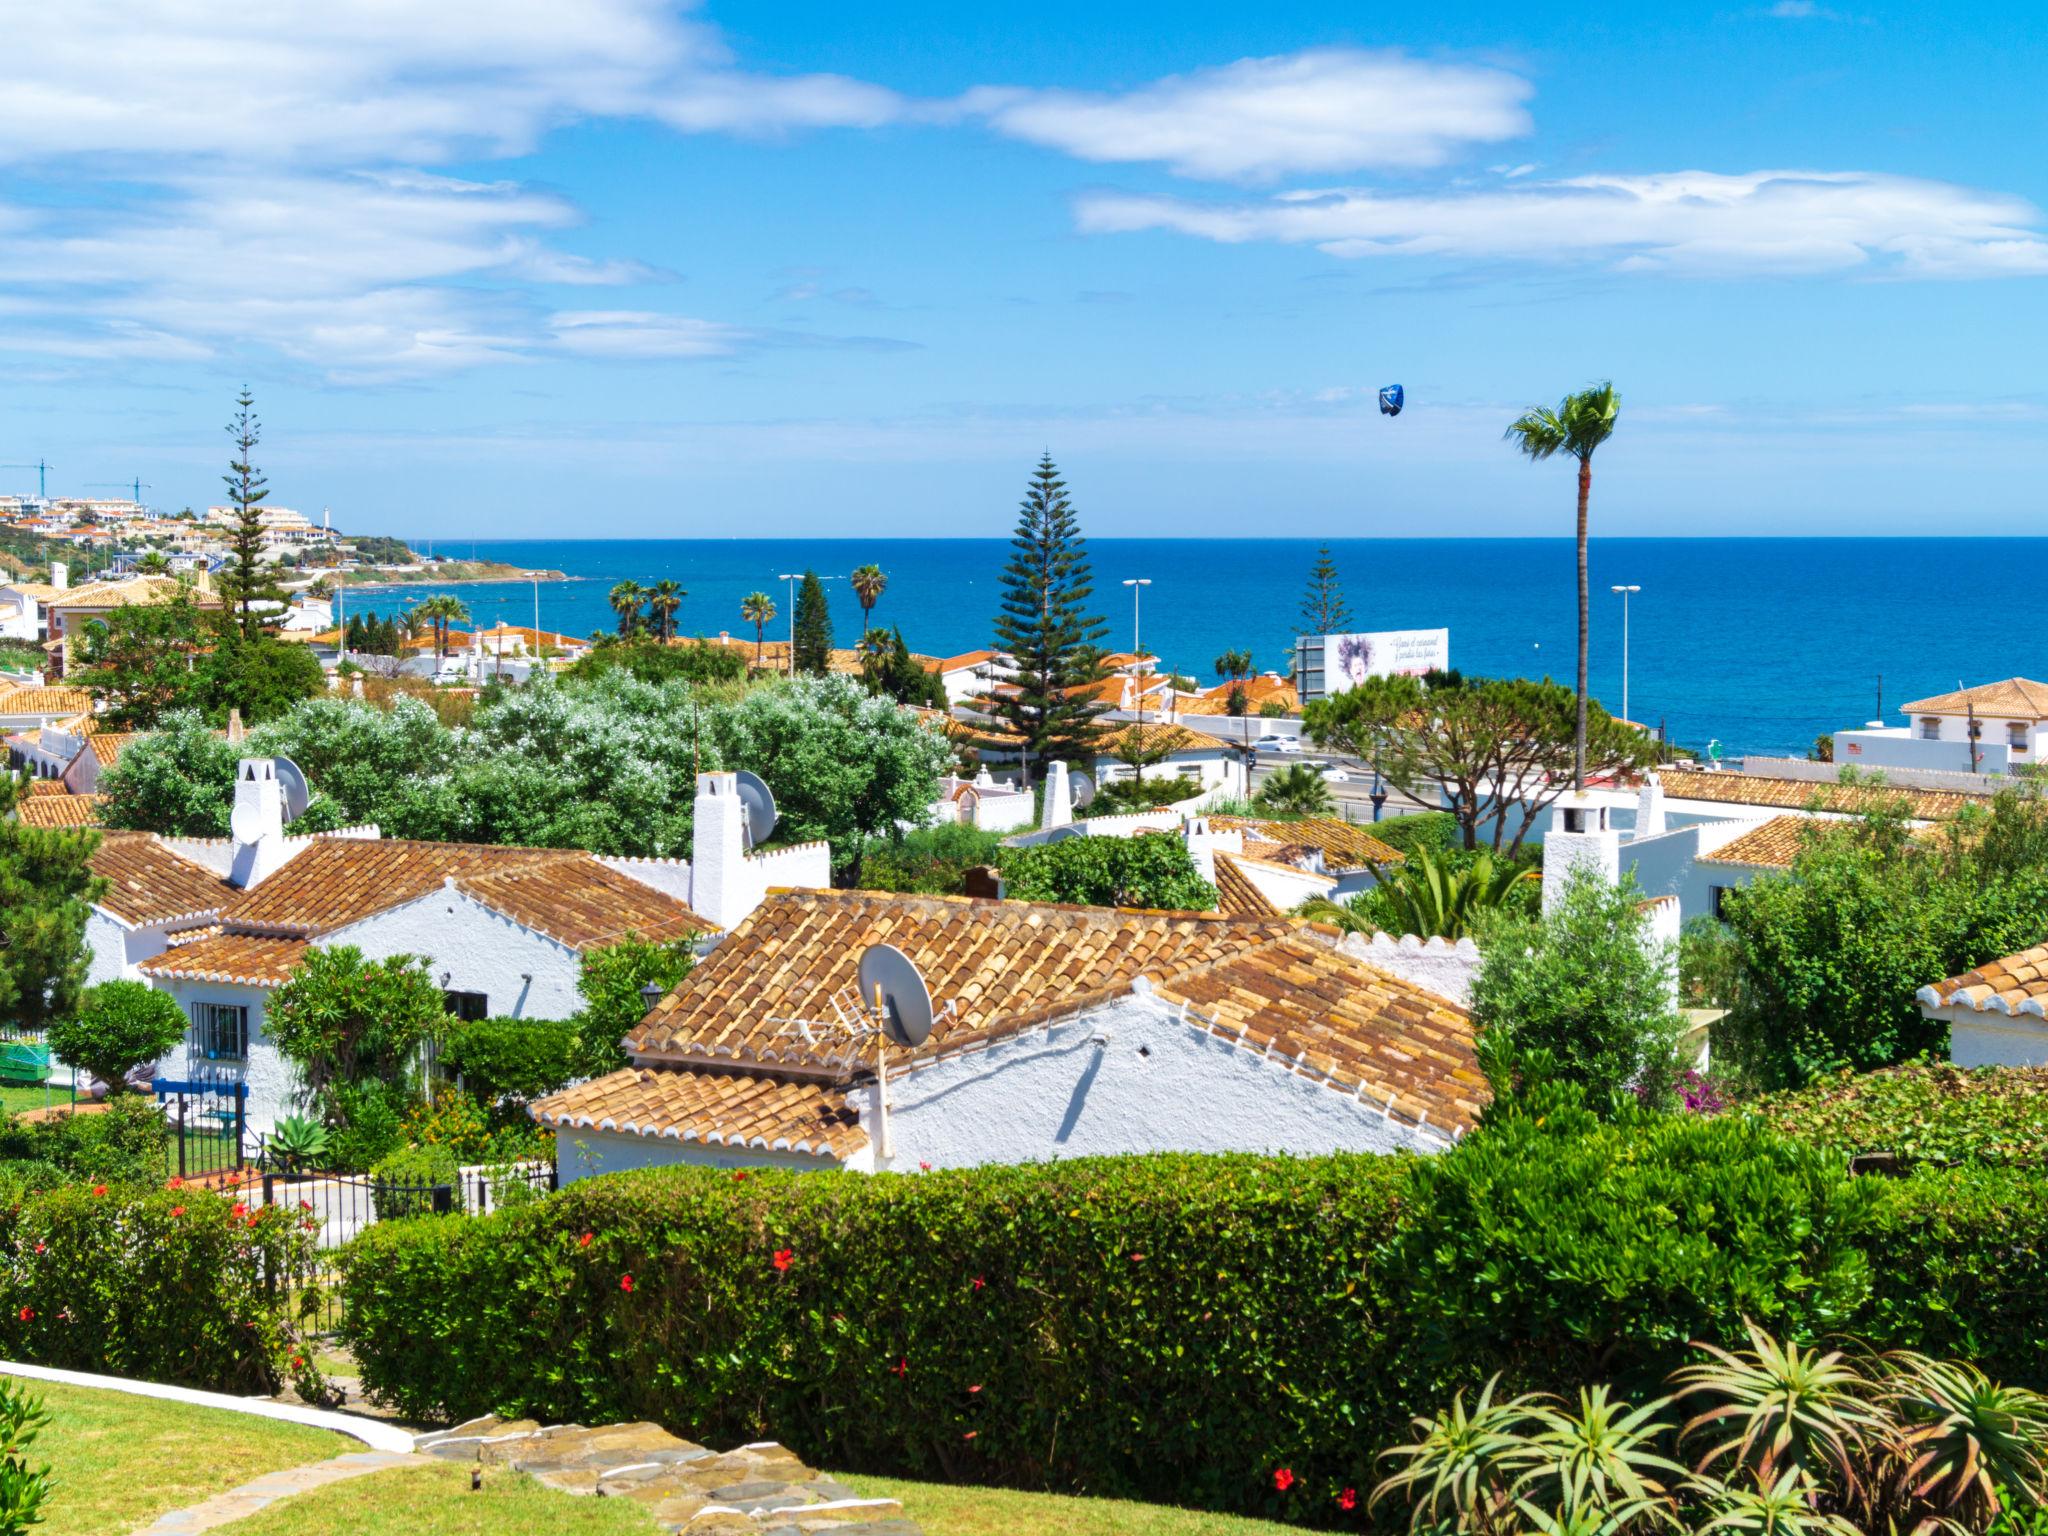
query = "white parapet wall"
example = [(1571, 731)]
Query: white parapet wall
[(1441, 966)]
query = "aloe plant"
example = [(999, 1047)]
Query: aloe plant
[(1783, 1407), (297, 1142)]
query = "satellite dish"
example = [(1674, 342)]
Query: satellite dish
[(1061, 834), (759, 801), (291, 783), (1083, 789), (1391, 400), (906, 1001)]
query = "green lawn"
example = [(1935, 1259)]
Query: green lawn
[(943, 1510), (18, 1097), (121, 1461), (434, 1499)]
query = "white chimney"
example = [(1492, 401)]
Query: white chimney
[(1579, 839), (1059, 804), (60, 575), (257, 823), (722, 887), (1650, 808), (1202, 847)]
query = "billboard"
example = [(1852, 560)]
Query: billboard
[(1336, 663)]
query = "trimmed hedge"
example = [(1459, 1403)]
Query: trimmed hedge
[(1931, 1112), (1176, 1328), (162, 1284)]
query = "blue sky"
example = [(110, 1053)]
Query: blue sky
[(515, 268)]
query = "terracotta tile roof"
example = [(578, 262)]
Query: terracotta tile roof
[(1801, 794), (45, 701), (60, 810), (1336, 1017), (337, 881), (1773, 844), (1343, 844), (1260, 690), (1236, 896), (47, 787), (2017, 984), (716, 1108), (1117, 659), (108, 746), (1174, 738), (583, 904), (998, 965), (964, 660), (2016, 698), (147, 883), (126, 593), (236, 957)]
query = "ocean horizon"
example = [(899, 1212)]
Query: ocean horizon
[(1758, 643)]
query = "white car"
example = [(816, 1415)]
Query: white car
[(1332, 774), (1290, 745)]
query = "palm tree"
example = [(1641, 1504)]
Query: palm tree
[(876, 647), (868, 582), (1580, 424), (1298, 788), (1428, 896), (626, 599), (152, 564), (663, 599), (1235, 667), (438, 613), (758, 609)]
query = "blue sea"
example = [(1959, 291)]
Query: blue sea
[(1759, 644)]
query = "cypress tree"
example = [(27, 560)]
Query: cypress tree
[(1322, 606), (1045, 626), (813, 627), (246, 580)]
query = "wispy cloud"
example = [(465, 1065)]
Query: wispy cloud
[(1692, 222)]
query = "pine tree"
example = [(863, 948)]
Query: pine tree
[(1322, 606), (813, 627), (1045, 627), (246, 580), (47, 888)]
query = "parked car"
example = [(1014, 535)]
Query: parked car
[(1334, 774), (1283, 744)]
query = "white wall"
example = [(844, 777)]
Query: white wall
[(1995, 1039), (273, 1081), (1437, 965), (669, 876), (118, 949), (584, 1154), (1154, 1085), (470, 948)]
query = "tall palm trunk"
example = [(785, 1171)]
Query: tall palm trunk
[(1579, 733)]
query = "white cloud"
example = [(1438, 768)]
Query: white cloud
[(1689, 221), (643, 335), (1329, 109)]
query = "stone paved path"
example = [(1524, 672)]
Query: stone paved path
[(757, 1490), (238, 1503)]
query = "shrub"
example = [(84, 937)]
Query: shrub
[(610, 980), (23, 1487), (165, 1284), (122, 1143), (1937, 1113), (501, 1059), (1272, 709), (119, 1026), (1119, 797), (932, 861), (1153, 872), (404, 1181), (1435, 830), (1298, 788), (365, 1124)]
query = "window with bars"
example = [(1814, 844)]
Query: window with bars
[(467, 1005), (221, 1031)]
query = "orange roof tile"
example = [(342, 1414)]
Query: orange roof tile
[(1344, 845), (1236, 896), (963, 661), (716, 1108), (1175, 739), (237, 957), (108, 746), (337, 881), (45, 701), (147, 883), (60, 810), (583, 904), (1257, 691), (1773, 844), (1725, 788), (2016, 984), (47, 787), (999, 965), (2016, 698)]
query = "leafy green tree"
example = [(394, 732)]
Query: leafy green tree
[(654, 662), (932, 861), (1323, 611), (612, 982), (758, 609), (141, 662), (47, 888), (1150, 872), (813, 627), (247, 578), (1579, 425), (628, 598), (868, 583), (1298, 789), (178, 780), (263, 678), (117, 1027), (511, 1059), (1044, 624), (1585, 998), (439, 613), (1499, 750), (380, 766), (845, 765), (888, 667), (344, 1020)]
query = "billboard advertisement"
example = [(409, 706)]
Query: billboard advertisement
[(1349, 660)]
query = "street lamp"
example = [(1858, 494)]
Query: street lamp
[(1137, 584), (1624, 591), (792, 579)]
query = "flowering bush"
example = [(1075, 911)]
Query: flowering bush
[(164, 1284)]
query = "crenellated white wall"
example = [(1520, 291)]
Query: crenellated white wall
[(669, 876), (1439, 965)]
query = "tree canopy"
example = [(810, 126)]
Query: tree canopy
[(1151, 872)]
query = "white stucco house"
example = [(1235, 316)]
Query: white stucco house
[(2006, 723), (1997, 1015), (1061, 1032), (1207, 762), (972, 674)]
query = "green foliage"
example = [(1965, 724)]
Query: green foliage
[(122, 1143), (342, 1019), (297, 1142), (1832, 955), (1151, 872), (162, 1284), (178, 780), (813, 642), (932, 861), (364, 1124), (146, 661), (381, 549), (499, 1059), (406, 1180), (652, 661), (118, 1026), (248, 578), (1435, 830), (1933, 1113), (371, 635), (1298, 788), (23, 1486), (611, 979), (1435, 895), (1118, 797), (46, 890), (1272, 709), (1044, 622), (898, 674), (1582, 997), (1323, 610)]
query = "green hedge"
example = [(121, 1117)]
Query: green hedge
[(1175, 1328), (165, 1284), (1435, 830), (1921, 1113)]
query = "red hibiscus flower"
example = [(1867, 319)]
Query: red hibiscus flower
[(784, 1257), (970, 1434), (298, 1362), (1348, 1499), (979, 1283), (241, 1209), (39, 1247), (584, 1240), (175, 1183), (626, 1283), (177, 1210), (739, 1176), (924, 1167), (28, 1314), (975, 1388), (99, 1189), (901, 1367), (1283, 1478)]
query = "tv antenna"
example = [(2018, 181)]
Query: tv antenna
[(759, 802)]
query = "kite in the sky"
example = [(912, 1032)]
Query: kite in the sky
[(1391, 400)]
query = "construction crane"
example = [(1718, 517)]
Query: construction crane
[(42, 469), (137, 487)]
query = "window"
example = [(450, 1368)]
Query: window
[(468, 1005), (2016, 735), (1930, 730), (221, 1031), (1719, 894)]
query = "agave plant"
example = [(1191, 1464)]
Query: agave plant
[(1600, 1469), (1462, 1469), (296, 1142), (1783, 1409), (1961, 1438), (1784, 1507)]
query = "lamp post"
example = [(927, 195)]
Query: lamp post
[(1625, 593), (1138, 584), (792, 578)]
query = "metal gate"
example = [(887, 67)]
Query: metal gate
[(209, 1124)]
